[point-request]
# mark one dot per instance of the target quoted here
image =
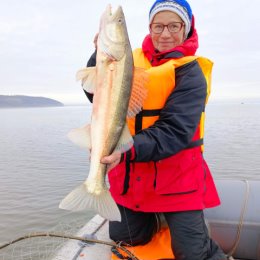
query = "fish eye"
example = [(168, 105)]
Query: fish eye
[(120, 20)]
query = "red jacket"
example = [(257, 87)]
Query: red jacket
[(163, 171)]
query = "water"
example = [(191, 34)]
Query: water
[(232, 141), (39, 165)]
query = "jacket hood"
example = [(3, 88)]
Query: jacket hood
[(188, 48)]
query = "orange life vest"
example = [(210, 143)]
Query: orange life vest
[(158, 248), (161, 83)]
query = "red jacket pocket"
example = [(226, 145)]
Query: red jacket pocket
[(179, 174)]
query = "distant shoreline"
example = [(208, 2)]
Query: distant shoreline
[(21, 101)]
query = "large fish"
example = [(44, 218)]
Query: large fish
[(112, 82)]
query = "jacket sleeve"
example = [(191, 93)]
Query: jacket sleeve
[(178, 120), (92, 60), (91, 63)]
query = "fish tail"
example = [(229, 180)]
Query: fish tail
[(81, 199)]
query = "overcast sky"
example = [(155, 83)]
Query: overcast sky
[(44, 42)]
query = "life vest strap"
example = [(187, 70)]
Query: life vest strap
[(196, 143), (127, 172), (144, 113)]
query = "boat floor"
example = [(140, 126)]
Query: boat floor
[(96, 228)]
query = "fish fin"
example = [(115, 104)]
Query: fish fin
[(81, 136), (125, 141), (88, 78), (81, 199), (139, 91)]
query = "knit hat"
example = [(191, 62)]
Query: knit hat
[(180, 7)]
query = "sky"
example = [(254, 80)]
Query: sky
[(43, 43)]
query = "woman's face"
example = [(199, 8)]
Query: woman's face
[(167, 40)]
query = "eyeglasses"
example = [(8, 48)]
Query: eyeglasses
[(174, 27)]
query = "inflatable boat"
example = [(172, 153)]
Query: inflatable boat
[(235, 225)]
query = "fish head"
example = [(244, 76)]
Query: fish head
[(113, 36)]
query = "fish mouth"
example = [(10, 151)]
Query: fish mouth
[(113, 13), (112, 34)]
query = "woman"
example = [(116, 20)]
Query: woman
[(165, 171)]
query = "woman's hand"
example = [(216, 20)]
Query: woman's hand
[(112, 160)]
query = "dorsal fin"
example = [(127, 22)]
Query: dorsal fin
[(139, 91)]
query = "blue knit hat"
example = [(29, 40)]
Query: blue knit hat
[(180, 7)]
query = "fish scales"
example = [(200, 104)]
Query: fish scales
[(112, 91)]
